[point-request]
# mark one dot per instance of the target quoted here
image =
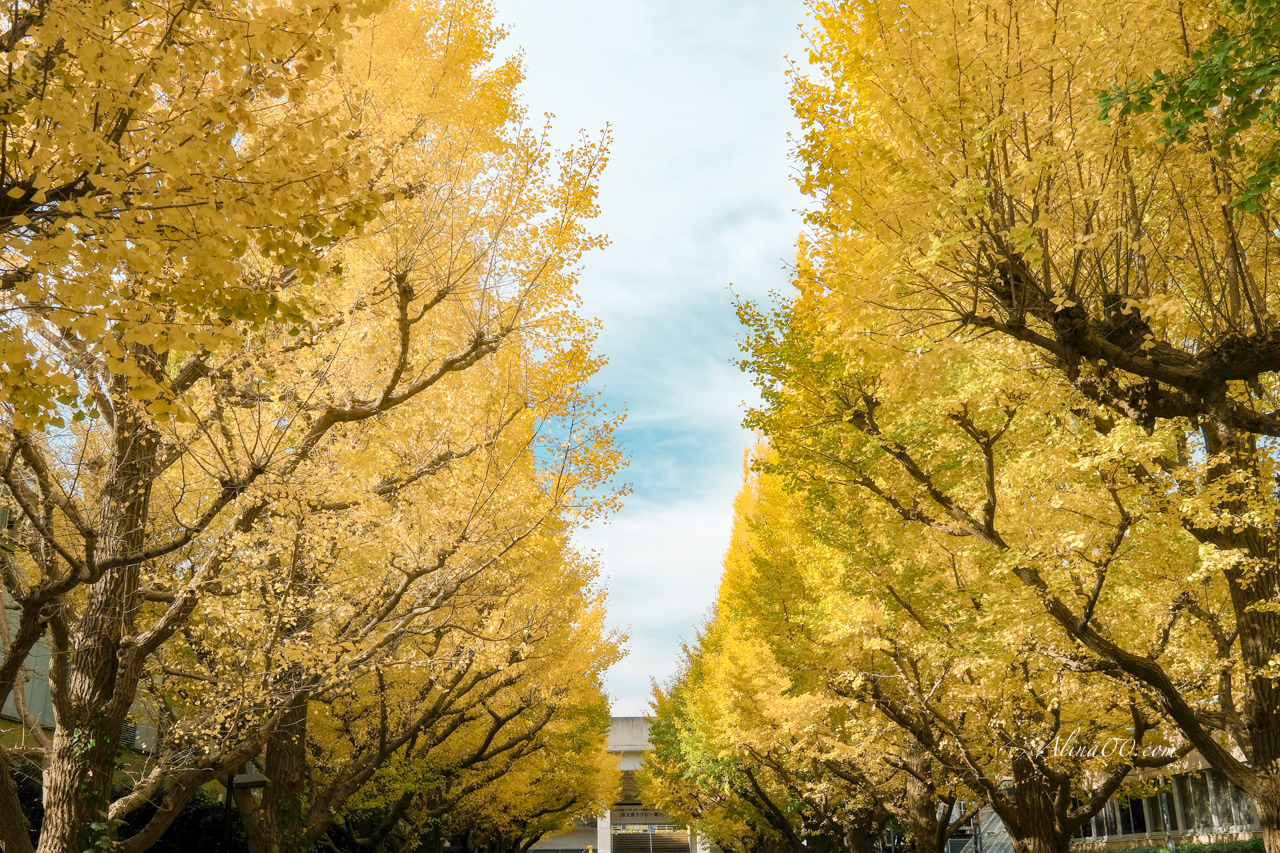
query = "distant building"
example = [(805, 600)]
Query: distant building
[(1201, 807), (630, 826), (137, 735)]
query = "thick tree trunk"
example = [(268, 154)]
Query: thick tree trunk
[(1267, 801), (859, 840), (1271, 836), (15, 831), (276, 826), (1251, 581), (77, 785), (861, 836), (922, 805), (1030, 815), (96, 698), (1038, 844), (90, 711)]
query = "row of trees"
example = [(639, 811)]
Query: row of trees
[(294, 427), (1019, 494)]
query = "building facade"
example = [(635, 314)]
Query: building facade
[(1200, 806), (630, 826)]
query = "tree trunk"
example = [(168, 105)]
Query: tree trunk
[(861, 836), (276, 826), (89, 713), (1251, 581), (1038, 844), (922, 802), (15, 831), (858, 840), (1030, 815), (77, 786), (95, 700), (1268, 804)]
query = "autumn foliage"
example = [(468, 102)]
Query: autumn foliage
[(294, 427), (1020, 412)]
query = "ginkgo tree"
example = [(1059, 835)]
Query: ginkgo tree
[(753, 742), (698, 775), (966, 677), (785, 590), (365, 446), (512, 744), (910, 655), (144, 149), (970, 188), (562, 773), (472, 684)]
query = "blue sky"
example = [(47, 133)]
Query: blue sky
[(698, 196)]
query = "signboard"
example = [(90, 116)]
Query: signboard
[(637, 815)]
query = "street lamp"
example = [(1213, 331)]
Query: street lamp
[(235, 782)]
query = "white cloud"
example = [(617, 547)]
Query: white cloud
[(662, 566), (697, 196)]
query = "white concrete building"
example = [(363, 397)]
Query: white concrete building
[(630, 826)]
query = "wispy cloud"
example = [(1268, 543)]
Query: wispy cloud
[(658, 557), (698, 196)]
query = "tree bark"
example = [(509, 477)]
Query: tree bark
[(861, 835), (77, 788), (276, 825), (96, 699), (1267, 800), (15, 831), (1030, 814), (860, 840), (922, 805)]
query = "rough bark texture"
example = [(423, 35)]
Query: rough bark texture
[(15, 833), (1268, 803), (1039, 845), (1030, 813), (99, 692), (860, 840), (922, 801), (276, 825), (863, 833)]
